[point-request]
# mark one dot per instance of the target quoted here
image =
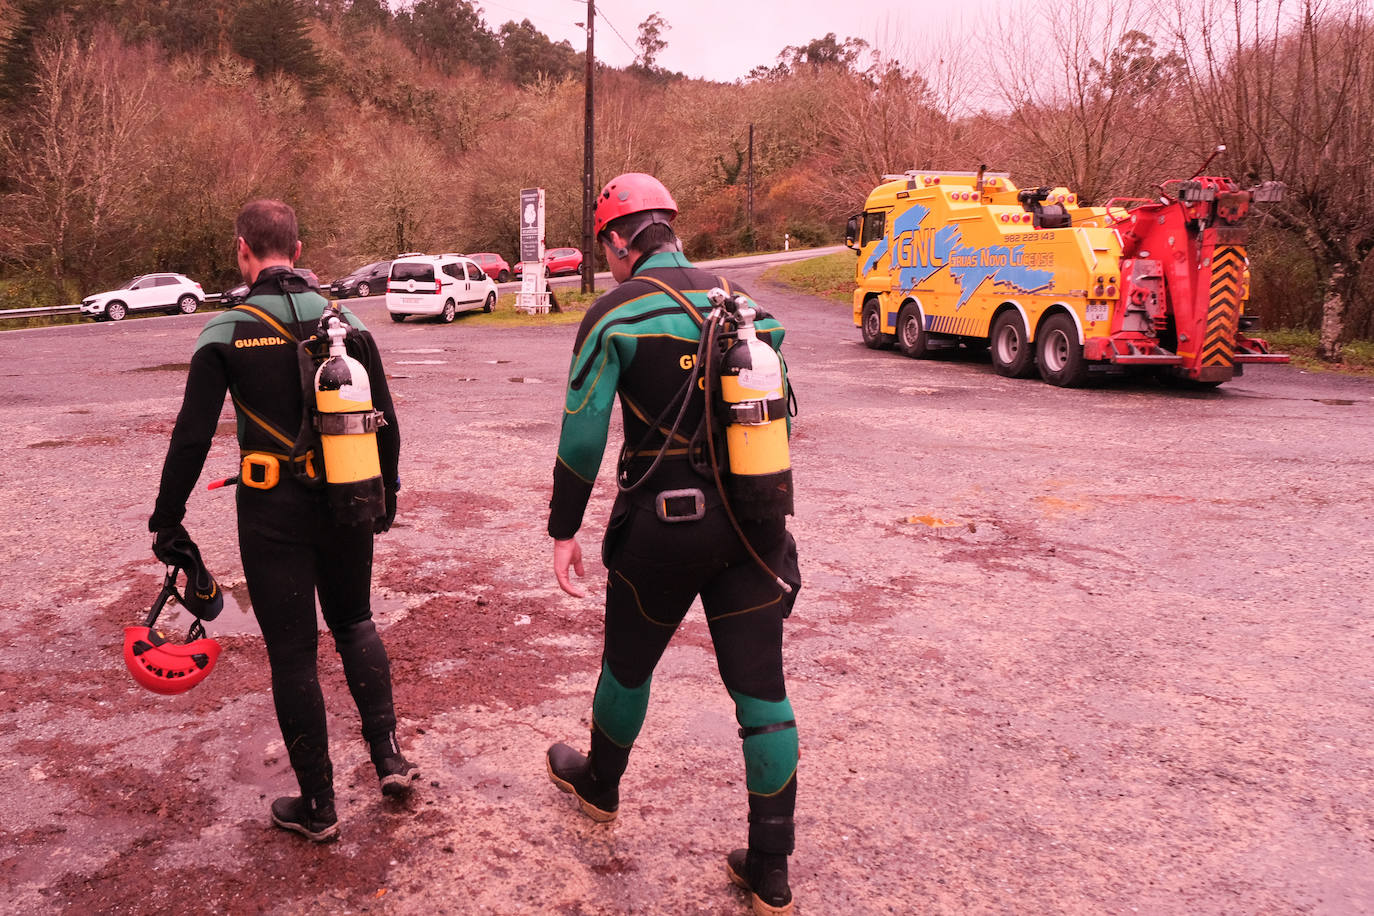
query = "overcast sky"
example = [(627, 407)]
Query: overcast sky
[(725, 39)]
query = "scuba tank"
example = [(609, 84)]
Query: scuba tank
[(347, 424), (754, 397)]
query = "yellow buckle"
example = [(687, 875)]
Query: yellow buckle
[(259, 471)]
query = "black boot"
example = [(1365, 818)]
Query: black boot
[(764, 876), (312, 818), (573, 773), (393, 769)]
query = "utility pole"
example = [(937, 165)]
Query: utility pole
[(588, 172)]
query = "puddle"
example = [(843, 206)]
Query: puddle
[(421, 362), (1334, 402), (497, 362), (165, 367), (419, 351), (526, 381)]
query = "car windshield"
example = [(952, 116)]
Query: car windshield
[(132, 283)]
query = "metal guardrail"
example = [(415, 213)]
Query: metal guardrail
[(70, 309), (39, 312)]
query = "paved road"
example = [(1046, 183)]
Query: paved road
[(1089, 651)]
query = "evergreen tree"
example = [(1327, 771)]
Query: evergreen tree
[(274, 36)]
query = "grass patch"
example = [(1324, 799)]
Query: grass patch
[(1357, 356), (830, 276)]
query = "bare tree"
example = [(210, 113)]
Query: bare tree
[(1090, 96), (1290, 88), (77, 156)]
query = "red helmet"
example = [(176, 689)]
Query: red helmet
[(164, 666), (633, 192)]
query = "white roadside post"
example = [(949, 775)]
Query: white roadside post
[(533, 298)]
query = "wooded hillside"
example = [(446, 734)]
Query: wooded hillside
[(132, 130)]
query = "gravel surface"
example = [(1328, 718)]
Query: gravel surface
[(1097, 651)]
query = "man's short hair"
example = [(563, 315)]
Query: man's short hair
[(269, 227), (648, 230)]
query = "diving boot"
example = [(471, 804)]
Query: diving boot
[(312, 818), (395, 772), (764, 876), (572, 773)]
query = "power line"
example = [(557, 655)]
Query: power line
[(617, 33)]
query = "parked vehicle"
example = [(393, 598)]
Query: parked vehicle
[(232, 297), (557, 261), (239, 294), (1048, 284), (168, 292), (438, 285), (368, 280), (493, 265)]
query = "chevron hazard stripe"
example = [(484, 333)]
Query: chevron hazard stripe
[(1223, 311)]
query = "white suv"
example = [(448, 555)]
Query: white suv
[(437, 284), (170, 292)]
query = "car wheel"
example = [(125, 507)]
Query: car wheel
[(912, 339), (364, 290), (503, 277), (1012, 355), (115, 311), (1059, 353), (872, 327), (450, 311), (397, 316), (188, 304), (490, 303)]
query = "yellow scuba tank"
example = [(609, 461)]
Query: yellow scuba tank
[(348, 425), (754, 393)]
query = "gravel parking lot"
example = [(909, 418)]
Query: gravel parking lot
[(1091, 651)]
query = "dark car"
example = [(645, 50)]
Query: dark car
[(368, 280), (239, 294), (235, 296)]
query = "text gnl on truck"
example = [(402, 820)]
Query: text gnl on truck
[(966, 257)]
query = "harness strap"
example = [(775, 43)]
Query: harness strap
[(263, 423), (639, 412), (266, 319), (676, 296)]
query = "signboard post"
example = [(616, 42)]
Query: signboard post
[(533, 297)]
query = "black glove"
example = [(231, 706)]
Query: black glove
[(383, 523), (169, 545), (203, 596)]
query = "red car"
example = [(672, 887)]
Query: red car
[(493, 265), (558, 261)]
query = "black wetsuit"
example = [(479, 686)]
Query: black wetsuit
[(290, 545), (638, 342)]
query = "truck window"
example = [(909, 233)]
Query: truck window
[(875, 225)]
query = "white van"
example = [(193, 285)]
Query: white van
[(437, 285)]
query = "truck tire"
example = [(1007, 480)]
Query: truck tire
[(1012, 354), (872, 327), (912, 338), (1059, 354)]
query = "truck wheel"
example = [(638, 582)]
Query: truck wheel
[(872, 327), (912, 339), (1012, 355), (1059, 353)]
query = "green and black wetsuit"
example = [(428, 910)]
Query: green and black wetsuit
[(290, 545), (638, 342)]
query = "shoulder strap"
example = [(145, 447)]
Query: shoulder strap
[(266, 319), (676, 296)]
